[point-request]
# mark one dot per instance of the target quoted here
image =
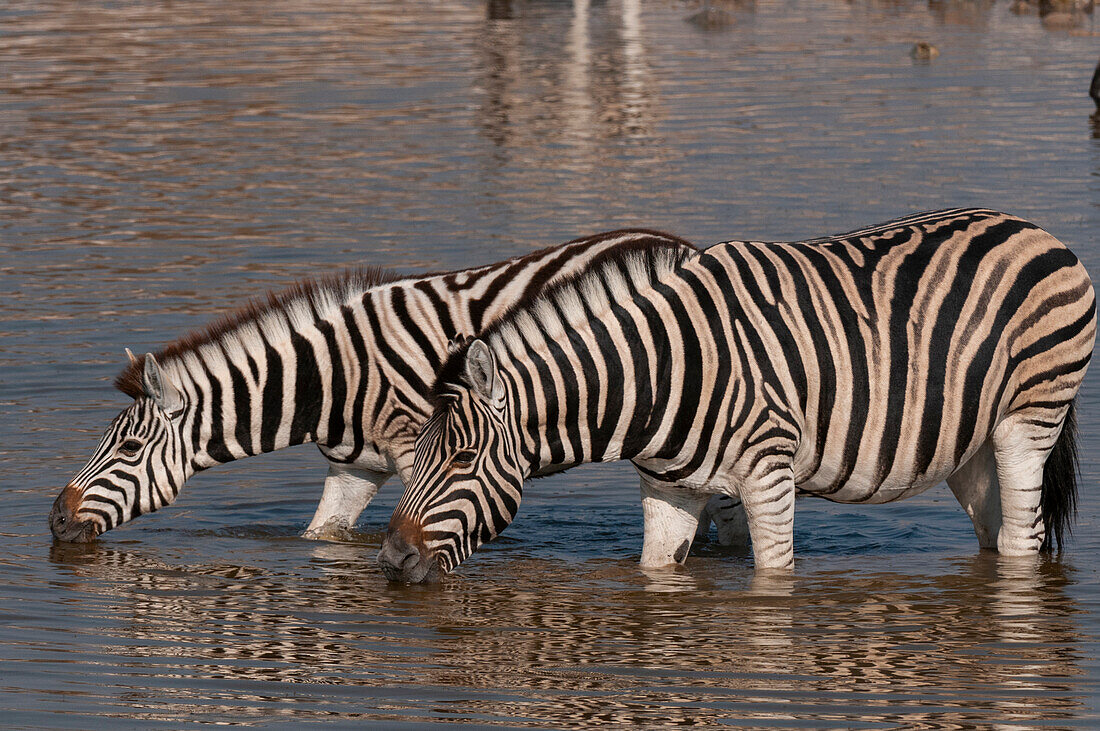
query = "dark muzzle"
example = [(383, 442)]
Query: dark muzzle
[(63, 522), (405, 560)]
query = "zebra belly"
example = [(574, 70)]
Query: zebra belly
[(864, 487), (867, 493)]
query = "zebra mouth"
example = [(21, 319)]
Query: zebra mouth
[(425, 572), (72, 531), (407, 564), (64, 524), (422, 572)]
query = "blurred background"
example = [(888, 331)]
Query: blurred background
[(161, 162)]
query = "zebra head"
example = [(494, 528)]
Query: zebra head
[(467, 480), (138, 467)]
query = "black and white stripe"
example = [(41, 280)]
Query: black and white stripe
[(345, 362), (865, 367)]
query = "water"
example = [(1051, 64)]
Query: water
[(159, 162)]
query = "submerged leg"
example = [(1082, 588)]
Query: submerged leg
[(671, 517), (976, 488), (347, 491), (769, 509)]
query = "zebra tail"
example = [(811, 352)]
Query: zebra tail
[(1058, 500)]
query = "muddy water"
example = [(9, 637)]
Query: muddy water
[(161, 161)]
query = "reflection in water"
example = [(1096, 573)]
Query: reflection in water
[(160, 161), (603, 644), (499, 9), (668, 580), (565, 95), (970, 13), (577, 107)]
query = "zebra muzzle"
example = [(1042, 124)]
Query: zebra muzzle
[(63, 522), (406, 561)]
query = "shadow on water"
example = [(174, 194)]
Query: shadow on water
[(535, 642)]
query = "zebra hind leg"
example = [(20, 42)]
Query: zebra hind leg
[(1021, 445), (729, 518), (671, 517), (769, 509), (975, 487)]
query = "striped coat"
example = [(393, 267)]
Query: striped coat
[(865, 367), (346, 362)]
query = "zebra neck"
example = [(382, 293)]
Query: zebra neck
[(256, 391), (566, 415)]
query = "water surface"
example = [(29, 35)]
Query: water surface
[(159, 162)]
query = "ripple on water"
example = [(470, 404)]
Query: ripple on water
[(161, 162)]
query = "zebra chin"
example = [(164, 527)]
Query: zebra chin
[(85, 531)]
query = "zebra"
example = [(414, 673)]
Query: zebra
[(340, 361), (861, 368)]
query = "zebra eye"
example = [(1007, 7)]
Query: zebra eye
[(130, 447), (464, 457)]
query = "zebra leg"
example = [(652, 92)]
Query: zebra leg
[(347, 491), (702, 530), (1021, 444), (729, 518), (769, 510), (671, 517), (975, 487)]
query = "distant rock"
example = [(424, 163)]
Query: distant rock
[(1061, 20), (710, 18), (924, 51)]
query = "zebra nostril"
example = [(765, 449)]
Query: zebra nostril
[(398, 558), (410, 559)]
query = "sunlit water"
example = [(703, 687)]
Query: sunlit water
[(160, 161)]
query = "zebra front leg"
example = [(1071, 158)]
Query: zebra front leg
[(975, 487), (769, 510), (671, 516), (347, 491)]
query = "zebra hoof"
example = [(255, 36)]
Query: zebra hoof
[(335, 529)]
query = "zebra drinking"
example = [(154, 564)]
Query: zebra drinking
[(861, 368), (344, 362)]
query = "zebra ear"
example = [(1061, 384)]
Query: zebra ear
[(481, 371), (160, 389), (130, 355)]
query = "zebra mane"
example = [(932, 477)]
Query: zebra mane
[(302, 298), (549, 312)]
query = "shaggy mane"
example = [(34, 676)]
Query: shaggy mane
[(655, 253), (311, 291)]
